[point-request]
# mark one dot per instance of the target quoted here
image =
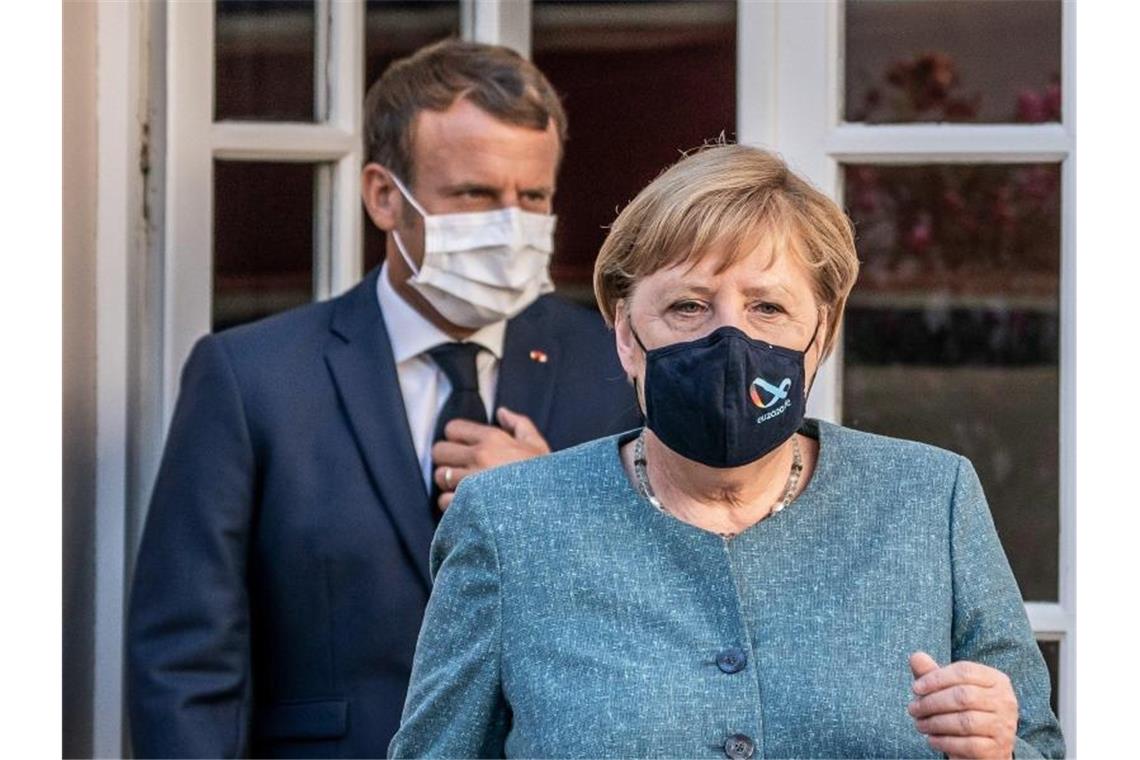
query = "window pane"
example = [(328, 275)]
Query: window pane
[(953, 60), (952, 333), (1051, 651), (263, 239), (640, 82), (265, 60), (394, 29)]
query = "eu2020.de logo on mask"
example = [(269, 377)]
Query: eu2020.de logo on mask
[(761, 389)]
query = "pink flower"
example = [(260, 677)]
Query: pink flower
[(1031, 107), (953, 200), (867, 201), (919, 237), (1053, 101)]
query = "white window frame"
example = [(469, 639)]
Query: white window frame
[(195, 141), (790, 100)]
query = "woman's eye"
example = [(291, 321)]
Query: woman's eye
[(687, 307), (768, 308)]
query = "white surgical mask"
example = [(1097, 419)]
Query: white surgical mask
[(484, 266)]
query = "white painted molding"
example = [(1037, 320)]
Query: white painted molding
[(279, 141), (346, 68), (1069, 380), (898, 143), (1048, 619), (118, 236), (804, 105), (500, 22), (757, 30), (189, 187)]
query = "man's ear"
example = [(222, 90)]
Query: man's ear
[(382, 199)]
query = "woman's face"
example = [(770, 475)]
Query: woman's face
[(767, 294)]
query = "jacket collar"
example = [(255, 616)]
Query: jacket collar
[(359, 356)]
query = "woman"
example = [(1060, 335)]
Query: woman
[(732, 579)]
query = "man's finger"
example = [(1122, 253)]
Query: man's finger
[(445, 500), (466, 431), (965, 723), (921, 663), (954, 699), (448, 454), (519, 426), (449, 484), (955, 673)]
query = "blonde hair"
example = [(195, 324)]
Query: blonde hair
[(721, 199)]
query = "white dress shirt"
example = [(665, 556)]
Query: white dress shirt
[(423, 384)]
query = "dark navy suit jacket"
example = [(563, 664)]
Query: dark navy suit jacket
[(283, 571)]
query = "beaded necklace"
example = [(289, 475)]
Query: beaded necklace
[(640, 471)]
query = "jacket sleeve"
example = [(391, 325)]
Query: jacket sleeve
[(455, 705), (188, 627), (990, 625)]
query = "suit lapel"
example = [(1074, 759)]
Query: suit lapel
[(364, 373), (531, 353)]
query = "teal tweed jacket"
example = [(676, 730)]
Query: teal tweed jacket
[(569, 618)]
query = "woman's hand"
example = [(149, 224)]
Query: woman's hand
[(965, 709)]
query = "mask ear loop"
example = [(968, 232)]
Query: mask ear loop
[(814, 333), (644, 350), (395, 233), (404, 253), (636, 390), (405, 192)]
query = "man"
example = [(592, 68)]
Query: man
[(283, 572)]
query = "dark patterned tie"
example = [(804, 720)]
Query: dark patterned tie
[(457, 361)]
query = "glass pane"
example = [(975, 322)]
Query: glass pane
[(394, 29), (953, 60), (952, 333), (1051, 651), (263, 239), (265, 60), (640, 82)]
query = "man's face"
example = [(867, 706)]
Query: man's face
[(465, 160)]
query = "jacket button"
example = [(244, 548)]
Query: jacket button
[(739, 747), (732, 660)]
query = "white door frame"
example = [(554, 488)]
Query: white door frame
[(793, 106)]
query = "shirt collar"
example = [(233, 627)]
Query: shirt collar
[(411, 334)]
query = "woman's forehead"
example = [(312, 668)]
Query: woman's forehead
[(766, 261)]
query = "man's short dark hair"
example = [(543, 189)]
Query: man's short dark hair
[(494, 78)]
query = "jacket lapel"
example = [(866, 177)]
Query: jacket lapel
[(531, 352), (364, 373)]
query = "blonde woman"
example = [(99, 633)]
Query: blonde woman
[(733, 579)]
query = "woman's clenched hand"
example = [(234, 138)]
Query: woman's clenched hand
[(965, 709)]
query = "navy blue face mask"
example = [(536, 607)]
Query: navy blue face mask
[(724, 400)]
